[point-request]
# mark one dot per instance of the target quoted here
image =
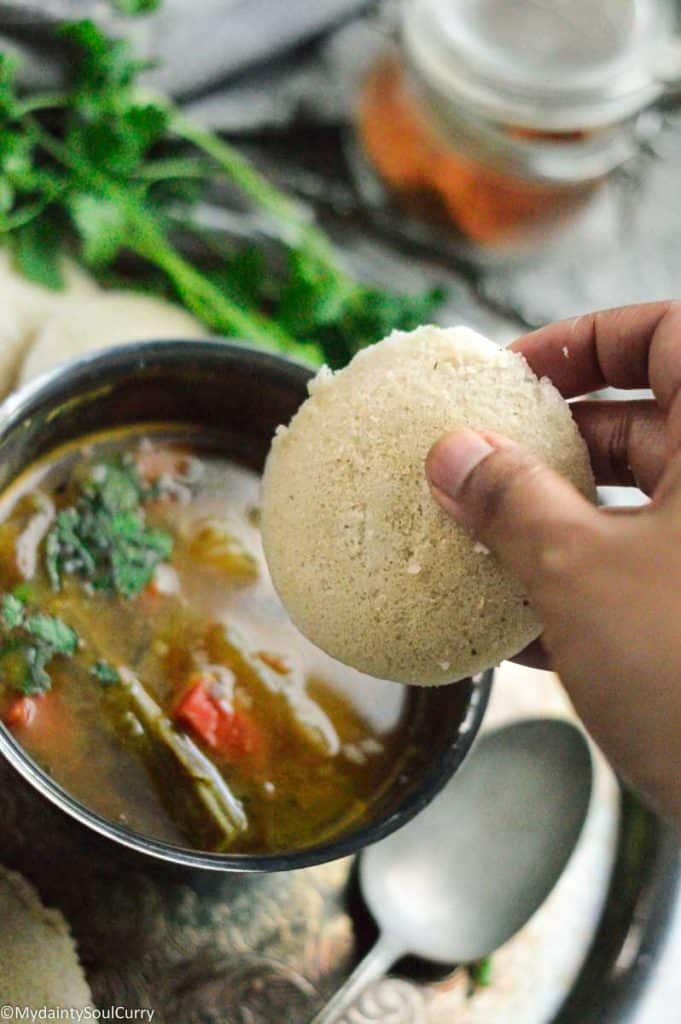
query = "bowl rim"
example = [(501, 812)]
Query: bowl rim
[(78, 374)]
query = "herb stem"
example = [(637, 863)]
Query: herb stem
[(302, 229), (201, 296)]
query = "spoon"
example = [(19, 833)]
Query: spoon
[(468, 872)]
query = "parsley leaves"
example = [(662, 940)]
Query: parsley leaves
[(103, 538)]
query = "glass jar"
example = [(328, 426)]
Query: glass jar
[(497, 121)]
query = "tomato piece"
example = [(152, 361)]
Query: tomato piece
[(230, 732), (21, 713)]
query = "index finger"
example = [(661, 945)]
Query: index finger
[(608, 348)]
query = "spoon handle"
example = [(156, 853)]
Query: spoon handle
[(374, 965)]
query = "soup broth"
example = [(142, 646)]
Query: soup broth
[(147, 664)]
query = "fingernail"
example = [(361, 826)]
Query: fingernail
[(453, 458)]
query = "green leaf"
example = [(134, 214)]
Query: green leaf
[(65, 550), (104, 63), (145, 124), (37, 679), (9, 103), (36, 252), (102, 225), (136, 7), (23, 668), (115, 132), (312, 297), (135, 555), (116, 485), (12, 611), (105, 673), (52, 632), (17, 159), (480, 973), (6, 196)]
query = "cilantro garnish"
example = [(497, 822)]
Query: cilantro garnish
[(12, 610), (105, 673), (28, 644), (103, 538)]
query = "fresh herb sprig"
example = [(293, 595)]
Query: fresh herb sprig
[(103, 537), (105, 169), (29, 641)]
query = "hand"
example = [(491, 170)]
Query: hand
[(606, 583)]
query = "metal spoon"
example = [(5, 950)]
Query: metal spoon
[(466, 874)]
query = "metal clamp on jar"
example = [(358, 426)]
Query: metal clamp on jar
[(496, 121)]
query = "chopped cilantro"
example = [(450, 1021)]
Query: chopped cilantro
[(103, 538), (480, 974), (105, 673), (28, 643), (52, 632), (12, 611)]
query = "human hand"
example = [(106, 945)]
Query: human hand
[(606, 583)]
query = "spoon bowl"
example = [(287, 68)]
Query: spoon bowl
[(465, 875)]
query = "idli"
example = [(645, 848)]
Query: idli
[(367, 565), (25, 308), (39, 966), (108, 318)]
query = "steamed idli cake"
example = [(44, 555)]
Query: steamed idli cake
[(108, 318), (39, 966), (25, 306), (367, 565)]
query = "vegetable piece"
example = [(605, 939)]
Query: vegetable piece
[(208, 786), (200, 712), (105, 672), (312, 722), (103, 538), (32, 536), (230, 732), (214, 546), (21, 713), (274, 661)]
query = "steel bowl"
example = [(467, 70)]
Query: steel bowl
[(240, 395)]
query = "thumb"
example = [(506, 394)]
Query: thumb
[(530, 517)]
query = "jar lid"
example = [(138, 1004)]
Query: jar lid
[(551, 65)]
